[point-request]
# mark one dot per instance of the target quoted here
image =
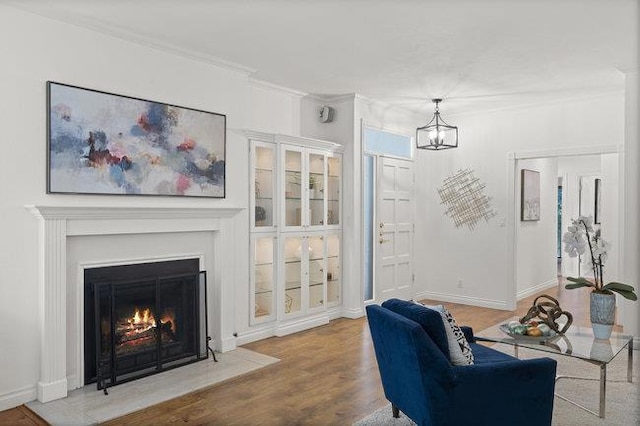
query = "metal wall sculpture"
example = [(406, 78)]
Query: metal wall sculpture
[(463, 195)]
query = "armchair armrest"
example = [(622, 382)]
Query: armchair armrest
[(468, 333), (510, 392)]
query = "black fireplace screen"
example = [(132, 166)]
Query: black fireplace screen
[(145, 324)]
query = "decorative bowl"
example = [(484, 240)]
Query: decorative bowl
[(524, 338)]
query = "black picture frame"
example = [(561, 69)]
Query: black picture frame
[(102, 143)]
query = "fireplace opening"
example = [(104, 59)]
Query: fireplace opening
[(142, 319)]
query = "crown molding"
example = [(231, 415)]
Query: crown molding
[(131, 37), (332, 98), (261, 84)]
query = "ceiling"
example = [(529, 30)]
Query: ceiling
[(477, 54)]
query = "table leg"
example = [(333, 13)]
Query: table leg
[(630, 362), (603, 389)]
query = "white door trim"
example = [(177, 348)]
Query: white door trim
[(512, 202)]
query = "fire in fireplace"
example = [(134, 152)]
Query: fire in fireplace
[(142, 319)]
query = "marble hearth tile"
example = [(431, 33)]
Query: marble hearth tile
[(88, 406)]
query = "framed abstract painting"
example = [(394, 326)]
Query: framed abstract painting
[(102, 143), (530, 195)]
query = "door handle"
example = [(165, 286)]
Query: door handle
[(383, 241), (381, 224)]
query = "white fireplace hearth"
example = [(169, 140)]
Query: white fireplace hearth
[(75, 238)]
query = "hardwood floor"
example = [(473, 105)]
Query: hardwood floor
[(327, 375)]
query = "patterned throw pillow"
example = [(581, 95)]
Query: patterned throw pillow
[(459, 349)]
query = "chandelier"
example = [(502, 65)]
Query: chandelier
[(436, 134)]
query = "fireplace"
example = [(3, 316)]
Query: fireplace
[(142, 319)]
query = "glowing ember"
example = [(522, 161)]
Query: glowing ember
[(139, 330), (141, 323)]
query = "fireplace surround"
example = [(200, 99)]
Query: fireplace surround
[(60, 306)]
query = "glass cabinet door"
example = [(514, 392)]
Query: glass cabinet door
[(333, 269), (293, 261), (333, 189), (293, 188), (316, 192), (263, 278), (316, 271), (264, 183)]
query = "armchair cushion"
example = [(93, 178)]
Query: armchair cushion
[(429, 319)]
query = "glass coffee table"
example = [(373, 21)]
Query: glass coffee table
[(577, 342)]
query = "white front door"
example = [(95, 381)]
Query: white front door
[(393, 239)]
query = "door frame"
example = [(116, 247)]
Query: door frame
[(376, 156), (513, 203)]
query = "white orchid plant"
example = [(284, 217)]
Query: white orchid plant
[(581, 236)]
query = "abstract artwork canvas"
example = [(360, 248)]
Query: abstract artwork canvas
[(530, 195), (102, 143)]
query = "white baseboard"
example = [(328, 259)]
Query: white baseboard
[(295, 326), (464, 300), (228, 344), (536, 288), (19, 397), (352, 313), (254, 335)]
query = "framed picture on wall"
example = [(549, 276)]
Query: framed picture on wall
[(103, 143), (597, 213), (529, 195)]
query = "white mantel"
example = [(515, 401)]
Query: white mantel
[(57, 223)]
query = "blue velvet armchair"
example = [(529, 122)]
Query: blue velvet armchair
[(418, 379)]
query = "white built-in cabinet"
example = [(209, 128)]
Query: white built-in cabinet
[(296, 230)]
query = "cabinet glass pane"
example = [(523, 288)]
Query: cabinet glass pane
[(263, 278), (316, 189), (333, 268), (264, 180), (316, 272), (293, 188), (333, 191), (292, 274)]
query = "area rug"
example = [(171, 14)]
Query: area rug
[(622, 406), (88, 406)]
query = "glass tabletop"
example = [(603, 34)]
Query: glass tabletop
[(576, 342)]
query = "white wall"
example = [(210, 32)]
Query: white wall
[(629, 310), (536, 244), (37, 49), (478, 257)]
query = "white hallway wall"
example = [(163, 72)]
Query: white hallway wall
[(478, 257), (536, 240), (37, 49)]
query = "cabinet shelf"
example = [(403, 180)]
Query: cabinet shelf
[(289, 278)]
